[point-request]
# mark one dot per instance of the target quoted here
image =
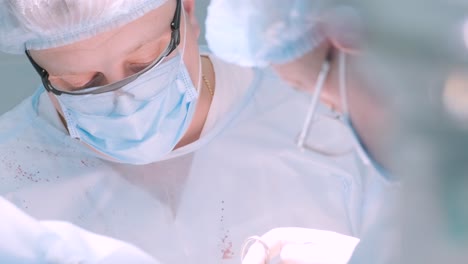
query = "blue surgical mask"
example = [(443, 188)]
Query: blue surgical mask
[(139, 123)]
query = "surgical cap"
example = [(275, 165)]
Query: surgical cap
[(260, 32), (43, 24)]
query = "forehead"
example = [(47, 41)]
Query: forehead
[(110, 45), (49, 16), (61, 14), (151, 26)]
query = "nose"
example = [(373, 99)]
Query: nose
[(117, 73), (125, 103)]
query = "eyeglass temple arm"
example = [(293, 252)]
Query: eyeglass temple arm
[(43, 73), (175, 26)]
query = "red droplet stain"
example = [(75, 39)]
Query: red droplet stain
[(228, 252), (226, 244)]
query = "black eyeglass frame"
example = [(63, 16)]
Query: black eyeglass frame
[(174, 42)]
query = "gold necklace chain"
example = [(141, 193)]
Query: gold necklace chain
[(205, 80), (208, 85)]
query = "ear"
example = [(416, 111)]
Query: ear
[(344, 28), (189, 7)]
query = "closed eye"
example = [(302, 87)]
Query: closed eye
[(138, 67), (97, 80)]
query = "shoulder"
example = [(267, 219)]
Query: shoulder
[(16, 120)]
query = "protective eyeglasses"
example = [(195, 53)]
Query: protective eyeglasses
[(172, 45)]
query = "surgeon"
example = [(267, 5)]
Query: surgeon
[(311, 42), (136, 133)]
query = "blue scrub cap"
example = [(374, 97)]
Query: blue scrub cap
[(43, 24), (260, 32)]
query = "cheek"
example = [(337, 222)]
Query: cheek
[(195, 27), (192, 55), (285, 73), (369, 113)]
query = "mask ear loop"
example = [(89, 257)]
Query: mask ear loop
[(344, 103), (314, 103), (182, 53), (342, 82)]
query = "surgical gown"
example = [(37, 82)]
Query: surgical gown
[(243, 177)]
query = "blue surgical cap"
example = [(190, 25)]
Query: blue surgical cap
[(261, 32), (43, 24)]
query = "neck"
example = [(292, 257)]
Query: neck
[(203, 105), (366, 110)]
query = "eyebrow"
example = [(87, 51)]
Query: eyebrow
[(139, 46), (65, 73), (149, 38), (142, 45)]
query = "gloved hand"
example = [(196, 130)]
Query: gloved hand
[(294, 245), (26, 240)]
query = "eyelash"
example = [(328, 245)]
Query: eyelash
[(95, 81), (92, 82), (146, 61), (141, 65)]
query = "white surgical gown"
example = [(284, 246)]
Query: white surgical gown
[(243, 177)]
